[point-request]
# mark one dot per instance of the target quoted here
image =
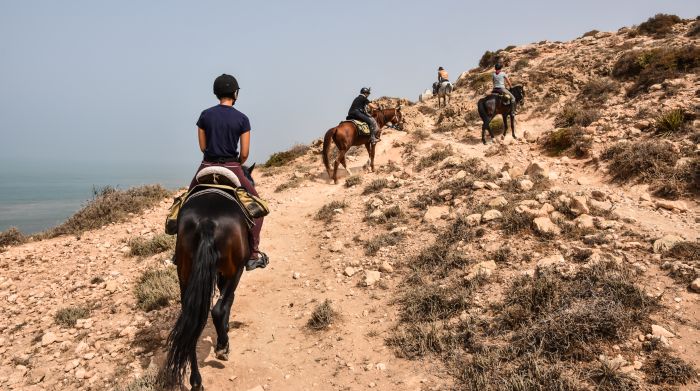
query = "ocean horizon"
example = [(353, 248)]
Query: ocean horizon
[(36, 196)]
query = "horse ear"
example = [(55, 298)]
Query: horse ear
[(250, 170)]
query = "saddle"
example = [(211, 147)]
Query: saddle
[(505, 98), (436, 86), (220, 181), (362, 127)]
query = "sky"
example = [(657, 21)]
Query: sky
[(87, 83)]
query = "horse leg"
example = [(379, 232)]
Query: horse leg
[(341, 157), (221, 314), (505, 126), (371, 156), (195, 376), (512, 124), (335, 167)]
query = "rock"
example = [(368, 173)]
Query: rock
[(600, 205), (385, 267), (476, 185), (257, 388), (555, 261), (37, 375), (659, 331), (129, 331), (545, 226), (381, 366), (377, 214), (578, 205), (111, 286), (435, 213), (529, 136), (492, 186), (490, 215), (505, 177), (498, 202), (598, 195), (349, 271), (484, 269), (48, 338), (427, 94), (664, 244), (671, 205), (371, 277), (473, 219), (525, 184), (80, 373), (336, 247), (537, 169), (296, 275), (460, 175), (584, 221), (695, 285)]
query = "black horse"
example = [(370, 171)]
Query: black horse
[(492, 105), (211, 249)]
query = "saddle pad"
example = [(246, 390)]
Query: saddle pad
[(218, 176), (362, 127)]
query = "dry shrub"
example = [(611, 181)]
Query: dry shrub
[(375, 186), (480, 82), (420, 134), (110, 205), (521, 64), (648, 67), (672, 121), (659, 25), (431, 302), (489, 58), (426, 110), (157, 288), (643, 160), (279, 159), (590, 33), (513, 222), (322, 316), (373, 245), (685, 251), (353, 180), (389, 215), (607, 376), (437, 155), (573, 139), (142, 247), (694, 30), (662, 368), (292, 183), (598, 90), (575, 114), (68, 316), (327, 211), (415, 340), (446, 127), (150, 381), (12, 236)]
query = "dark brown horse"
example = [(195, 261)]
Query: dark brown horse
[(492, 105), (211, 250), (346, 136)]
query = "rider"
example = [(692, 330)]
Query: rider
[(442, 77), (221, 129), (500, 80), (358, 111)]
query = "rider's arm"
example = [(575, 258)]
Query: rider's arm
[(245, 147), (508, 83), (202, 139)]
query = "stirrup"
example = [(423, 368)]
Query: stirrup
[(260, 262)]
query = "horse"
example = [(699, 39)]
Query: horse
[(346, 135), (492, 104), (444, 91), (211, 250)]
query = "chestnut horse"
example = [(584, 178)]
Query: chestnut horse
[(211, 251), (345, 136)]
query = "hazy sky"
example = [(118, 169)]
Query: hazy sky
[(124, 81)]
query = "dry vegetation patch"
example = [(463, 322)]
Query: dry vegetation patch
[(327, 211), (322, 316), (574, 113), (659, 25), (653, 66), (68, 316), (279, 159), (438, 154), (142, 247), (375, 186), (663, 368), (353, 180), (11, 237), (157, 288), (373, 245), (574, 140)]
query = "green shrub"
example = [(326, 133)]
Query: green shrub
[(659, 25), (489, 59), (142, 247), (110, 205), (68, 316), (157, 288), (12, 236), (278, 159)]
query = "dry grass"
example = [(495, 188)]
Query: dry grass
[(110, 205), (150, 381), (598, 90), (157, 288), (643, 160), (575, 114), (327, 212), (590, 33), (672, 122), (279, 159), (376, 243), (322, 317), (292, 183), (521, 64), (142, 247), (11, 237), (662, 368), (659, 25), (573, 140), (649, 67), (608, 377), (68, 316), (694, 30), (437, 155), (375, 186), (420, 134), (353, 180)]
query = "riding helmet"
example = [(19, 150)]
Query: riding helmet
[(365, 90), (441, 69), (499, 65), (225, 86)]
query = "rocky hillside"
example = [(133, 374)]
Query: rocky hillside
[(565, 259)]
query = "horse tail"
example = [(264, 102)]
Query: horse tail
[(326, 149), (196, 301), (481, 106)]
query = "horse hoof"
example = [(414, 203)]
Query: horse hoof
[(197, 387), (221, 353)]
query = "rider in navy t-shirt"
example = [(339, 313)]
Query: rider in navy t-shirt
[(223, 126)]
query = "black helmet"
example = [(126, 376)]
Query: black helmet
[(225, 86), (441, 69), (365, 90), (498, 66)]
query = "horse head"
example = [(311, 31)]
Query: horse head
[(519, 93), (397, 120), (248, 172)]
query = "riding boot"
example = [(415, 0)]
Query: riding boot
[(373, 134)]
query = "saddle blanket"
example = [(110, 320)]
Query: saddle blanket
[(362, 127)]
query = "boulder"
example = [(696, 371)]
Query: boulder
[(578, 205), (337, 246), (473, 219), (555, 261), (435, 213), (529, 136), (664, 244), (545, 226), (490, 215), (498, 202), (371, 277), (460, 175), (671, 205), (659, 331), (385, 267), (585, 221), (537, 169), (349, 271), (695, 285), (483, 269), (476, 185), (525, 184)]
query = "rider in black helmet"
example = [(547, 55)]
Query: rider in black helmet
[(358, 111)]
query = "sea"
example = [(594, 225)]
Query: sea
[(35, 196)]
